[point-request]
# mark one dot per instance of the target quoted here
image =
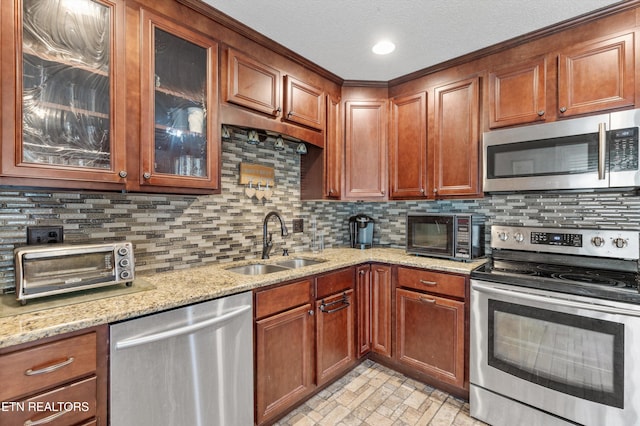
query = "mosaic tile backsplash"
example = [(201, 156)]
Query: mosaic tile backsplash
[(174, 231)]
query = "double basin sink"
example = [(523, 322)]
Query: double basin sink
[(268, 268)]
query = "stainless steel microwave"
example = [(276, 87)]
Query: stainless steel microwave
[(46, 270), (593, 152), (450, 236)]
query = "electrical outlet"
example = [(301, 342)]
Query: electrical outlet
[(298, 225), (44, 234)]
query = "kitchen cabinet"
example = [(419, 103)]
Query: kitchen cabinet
[(408, 147), (365, 153), (258, 86), (284, 348), (335, 324), (179, 135), (373, 283), (333, 152), (430, 324), (41, 379), (517, 93), (64, 99), (454, 148), (596, 75)]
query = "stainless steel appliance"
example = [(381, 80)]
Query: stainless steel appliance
[(451, 236), (361, 231), (46, 270), (555, 328), (584, 153), (188, 366)]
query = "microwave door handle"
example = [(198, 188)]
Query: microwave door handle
[(602, 146)]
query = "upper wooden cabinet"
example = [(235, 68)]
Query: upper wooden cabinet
[(179, 136), (596, 75), (258, 86), (408, 147), (517, 94), (63, 97), (454, 153), (366, 149)]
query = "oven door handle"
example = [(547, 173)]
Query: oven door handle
[(555, 300)]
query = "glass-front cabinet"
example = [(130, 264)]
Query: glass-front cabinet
[(67, 82), (178, 107)]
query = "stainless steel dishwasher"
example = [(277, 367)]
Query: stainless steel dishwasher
[(187, 366)]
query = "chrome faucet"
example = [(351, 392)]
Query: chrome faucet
[(267, 240)]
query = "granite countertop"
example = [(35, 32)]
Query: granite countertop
[(183, 287)]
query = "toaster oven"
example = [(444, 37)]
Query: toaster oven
[(46, 270)]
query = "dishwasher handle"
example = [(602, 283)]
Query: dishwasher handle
[(187, 329)]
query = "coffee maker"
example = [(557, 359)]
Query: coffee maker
[(361, 231)]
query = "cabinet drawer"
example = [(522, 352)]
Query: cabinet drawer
[(433, 282), (334, 282), (44, 366), (66, 405), (278, 299)]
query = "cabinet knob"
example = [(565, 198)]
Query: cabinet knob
[(563, 109), (289, 114), (435, 190), (122, 174), (540, 113), (361, 272), (422, 190), (146, 175), (311, 312), (278, 110)]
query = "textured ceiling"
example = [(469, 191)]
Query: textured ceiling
[(338, 34)]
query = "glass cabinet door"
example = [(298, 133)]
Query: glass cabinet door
[(178, 106), (66, 88)]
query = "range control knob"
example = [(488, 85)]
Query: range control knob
[(125, 275), (503, 236), (619, 242), (519, 237), (597, 241)]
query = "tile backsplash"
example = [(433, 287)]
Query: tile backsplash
[(176, 231)]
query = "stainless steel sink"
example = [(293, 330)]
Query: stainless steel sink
[(257, 269), (299, 262)]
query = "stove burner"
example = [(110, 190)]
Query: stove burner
[(590, 279)]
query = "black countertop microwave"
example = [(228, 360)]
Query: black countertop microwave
[(450, 236)]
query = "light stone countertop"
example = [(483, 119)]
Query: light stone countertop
[(184, 287)]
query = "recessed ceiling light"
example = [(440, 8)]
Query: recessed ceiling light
[(383, 47)]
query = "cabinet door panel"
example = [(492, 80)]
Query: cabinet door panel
[(517, 94), (284, 373), (381, 309), (179, 134), (366, 150), (334, 335), (408, 146), (456, 139), (303, 103), (430, 335), (333, 150), (596, 76), (363, 283), (253, 84)]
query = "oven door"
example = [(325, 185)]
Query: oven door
[(431, 235), (538, 357)]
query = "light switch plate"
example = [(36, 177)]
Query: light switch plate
[(298, 225)]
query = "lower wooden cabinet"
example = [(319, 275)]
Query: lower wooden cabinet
[(58, 381), (431, 336), (381, 309)]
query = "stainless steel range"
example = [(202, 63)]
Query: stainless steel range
[(555, 328)]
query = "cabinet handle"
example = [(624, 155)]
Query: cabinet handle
[(122, 174), (146, 175), (48, 419), (50, 368), (431, 283), (345, 304), (563, 109), (427, 300), (540, 113)]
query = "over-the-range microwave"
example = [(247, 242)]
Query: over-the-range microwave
[(593, 152), (454, 236)]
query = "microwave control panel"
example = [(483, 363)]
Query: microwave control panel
[(623, 149)]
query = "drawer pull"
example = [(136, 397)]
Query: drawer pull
[(425, 282), (50, 368), (48, 419), (427, 300), (345, 304)]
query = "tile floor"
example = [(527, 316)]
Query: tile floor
[(372, 394)]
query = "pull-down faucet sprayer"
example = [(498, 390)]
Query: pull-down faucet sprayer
[(267, 240)]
